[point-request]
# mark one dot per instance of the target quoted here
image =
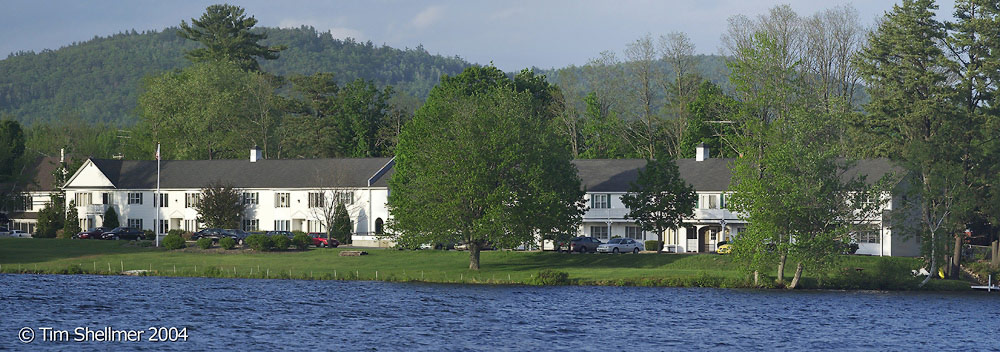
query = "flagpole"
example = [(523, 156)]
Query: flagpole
[(156, 197)]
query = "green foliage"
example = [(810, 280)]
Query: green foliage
[(206, 243), (225, 34), (12, 143), (147, 234), (177, 232), (172, 242), (51, 218), (341, 229), (220, 206), (301, 240), (711, 104), (226, 243), (72, 224), (601, 132), (280, 242), (549, 277), (110, 218), (654, 245), (497, 174), (259, 242), (660, 199)]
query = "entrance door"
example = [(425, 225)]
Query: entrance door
[(692, 240)]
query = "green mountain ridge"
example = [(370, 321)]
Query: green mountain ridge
[(100, 80)]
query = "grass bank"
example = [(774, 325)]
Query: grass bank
[(56, 256)]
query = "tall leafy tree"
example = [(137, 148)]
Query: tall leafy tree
[(51, 218), (220, 206), (480, 163), (708, 122), (225, 34), (110, 218), (341, 226), (72, 225), (660, 199), (905, 68)]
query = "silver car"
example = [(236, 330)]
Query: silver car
[(620, 245)]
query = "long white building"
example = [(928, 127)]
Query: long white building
[(291, 195)]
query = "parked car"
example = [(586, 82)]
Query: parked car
[(584, 244), (236, 234), (213, 233), (620, 245), (123, 233), (19, 234), (288, 234), (724, 248), (92, 233), (319, 240)]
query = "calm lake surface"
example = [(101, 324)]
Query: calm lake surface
[(245, 314)]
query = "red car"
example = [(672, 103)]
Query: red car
[(92, 233), (319, 240)]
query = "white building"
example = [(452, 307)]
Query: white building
[(606, 180), (279, 194), (34, 194), (286, 195)]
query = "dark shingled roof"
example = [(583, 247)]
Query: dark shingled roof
[(241, 173), (39, 175), (614, 175)]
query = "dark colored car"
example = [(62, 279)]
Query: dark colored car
[(288, 234), (236, 234), (213, 233), (319, 240), (93, 233), (584, 244), (123, 233)]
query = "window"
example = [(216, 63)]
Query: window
[(282, 225), (314, 226), (250, 198), (163, 202), (106, 198), (191, 200), (317, 200), (282, 200), (633, 232), (191, 225), (600, 201), (83, 199), (344, 197), (164, 226), (708, 201), (378, 226), (26, 203), (601, 232), (135, 198), (250, 225), (135, 223), (867, 235)]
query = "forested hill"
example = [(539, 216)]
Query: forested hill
[(99, 80)]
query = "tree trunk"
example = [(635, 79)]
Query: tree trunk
[(956, 259), (474, 249), (756, 278), (932, 271), (781, 268), (798, 275), (947, 266), (994, 258)]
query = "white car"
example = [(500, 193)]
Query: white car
[(19, 233), (620, 245)]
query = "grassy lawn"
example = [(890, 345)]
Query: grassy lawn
[(113, 257)]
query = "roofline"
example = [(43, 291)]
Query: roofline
[(381, 171)]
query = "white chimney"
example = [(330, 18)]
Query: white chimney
[(701, 152), (62, 155), (255, 154)]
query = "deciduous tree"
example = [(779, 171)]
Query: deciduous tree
[(660, 199), (220, 206)]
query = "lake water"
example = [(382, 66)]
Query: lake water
[(242, 314)]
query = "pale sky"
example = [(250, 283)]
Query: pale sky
[(511, 34)]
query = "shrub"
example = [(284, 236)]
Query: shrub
[(654, 245), (259, 242), (187, 235), (148, 234), (62, 233), (549, 277), (227, 243), (173, 242), (280, 242), (301, 240), (203, 243), (177, 232)]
